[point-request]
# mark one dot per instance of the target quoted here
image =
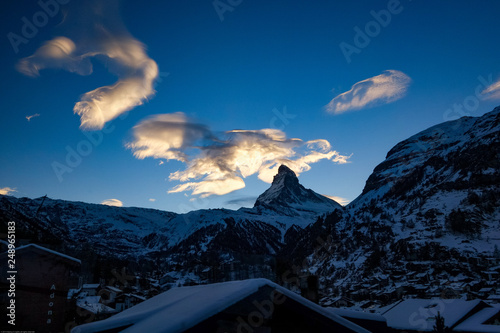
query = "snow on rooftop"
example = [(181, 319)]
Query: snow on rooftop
[(48, 250), (357, 314), (91, 304), (475, 323), (90, 286), (419, 314), (116, 290), (182, 308)]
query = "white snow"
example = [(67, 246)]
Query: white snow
[(476, 322), (419, 314), (182, 308), (357, 314)]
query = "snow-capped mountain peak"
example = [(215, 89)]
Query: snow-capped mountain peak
[(287, 196)]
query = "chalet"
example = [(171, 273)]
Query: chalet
[(341, 302), (419, 315), (90, 308), (91, 288), (491, 275), (484, 293), (43, 280), (256, 305), (126, 301), (423, 278), (493, 299), (486, 320), (375, 323), (109, 295)]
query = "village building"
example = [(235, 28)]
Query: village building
[(256, 305), (43, 280), (90, 308), (419, 315), (485, 321), (375, 323)]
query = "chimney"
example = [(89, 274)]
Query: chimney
[(310, 288)]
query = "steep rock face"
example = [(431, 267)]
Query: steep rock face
[(432, 204), (445, 154), (445, 178), (129, 232), (287, 196)]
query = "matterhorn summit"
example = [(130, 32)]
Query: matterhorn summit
[(287, 196)]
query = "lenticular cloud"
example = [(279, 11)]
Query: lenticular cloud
[(217, 163), (106, 39), (385, 88)]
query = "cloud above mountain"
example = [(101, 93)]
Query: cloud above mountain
[(492, 91), (217, 163), (340, 200), (112, 202), (102, 36), (385, 88), (7, 190)]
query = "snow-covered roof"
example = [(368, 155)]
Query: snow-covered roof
[(476, 322), (47, 250), (88, 300), (181, 308), (72, 292), (96, 307), (116, 290), (90, 286), (357, 314), (419, 314), (493, 297)]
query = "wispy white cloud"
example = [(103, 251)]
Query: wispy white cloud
[(340, 200), (32, 116), (152, 199), (218, 163), (242, 202), (492, 91), (104, 38), (7, 190), (112, 202), (385, 88)]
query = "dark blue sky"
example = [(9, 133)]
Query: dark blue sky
[(266, 64)]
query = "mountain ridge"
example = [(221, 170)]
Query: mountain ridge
[(435, 196)]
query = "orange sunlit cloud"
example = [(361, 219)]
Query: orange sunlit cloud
[(217, 164)]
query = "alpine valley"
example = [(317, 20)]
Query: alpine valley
[(429, 212)]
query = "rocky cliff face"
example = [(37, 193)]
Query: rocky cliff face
[(431, 205), (129, 232)]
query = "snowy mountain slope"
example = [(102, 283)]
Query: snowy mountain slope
[(287, 196), (433, 203), (117, 230), (445, 178), (129, 231)]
